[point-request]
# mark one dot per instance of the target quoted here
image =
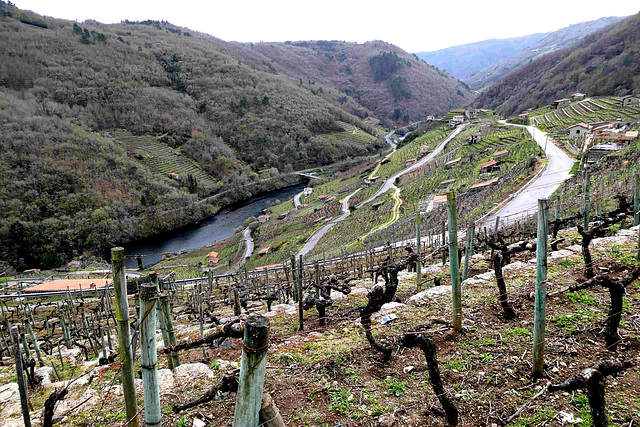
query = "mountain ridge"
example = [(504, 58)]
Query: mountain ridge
[(463, 61), (606, 62), (551, 42)]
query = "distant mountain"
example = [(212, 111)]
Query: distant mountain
[(552, 42), (606, 62), (382, 78), (465, 60)]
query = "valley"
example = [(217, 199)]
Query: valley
[(199, 232)]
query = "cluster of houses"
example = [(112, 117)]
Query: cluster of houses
[(460, 118), (612, 136)]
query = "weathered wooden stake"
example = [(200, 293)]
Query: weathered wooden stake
[(36, 346), (163, 327), (444, 253), (454, 265), (293, 278), (541, 289), (124, 336), (636, 198), (468, 252), (252, 371), (418, 240), (269, 413), (22, 382), (149, 356), (167, 320), (587, 206), (300, 309)]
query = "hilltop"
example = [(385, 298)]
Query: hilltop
[(382, 78), (603, 63)]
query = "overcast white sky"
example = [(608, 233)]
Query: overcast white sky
[(415, 26)]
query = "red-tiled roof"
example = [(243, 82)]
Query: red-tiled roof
[(484, 184), (440, 199), (262, 267), (488, 164), (71, 284)]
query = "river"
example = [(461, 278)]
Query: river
[(208, 231)]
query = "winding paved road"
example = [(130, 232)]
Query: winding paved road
[(525, 202), (248, 250), (391, 181), (315, 238)]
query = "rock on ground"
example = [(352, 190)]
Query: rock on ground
[(426, 296), (9, 400), (190, 372)]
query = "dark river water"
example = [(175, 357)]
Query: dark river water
[(208, 231)]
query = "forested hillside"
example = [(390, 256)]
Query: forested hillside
[(70, 183), (382, 78), (603, 63), (557, 40), (465, 60)]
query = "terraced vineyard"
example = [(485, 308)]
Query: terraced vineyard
[(351, 134), (592, 110), (160, 158), (398, 161)]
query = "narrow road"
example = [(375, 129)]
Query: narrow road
[(296, 199), (525, 202), (248, 250), (315, 238), (391, 181)]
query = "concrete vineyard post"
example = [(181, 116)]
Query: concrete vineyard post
[(149, 356), (468, 252), (163, 327), (539, 321), (454, 267), (124, 336)]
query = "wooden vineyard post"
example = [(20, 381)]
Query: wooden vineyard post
[(269, 413), (201, 315), (293, 278), (149, 356), (444, 253), (36, 346), (279, 285), (266, 284), (165, 315), (22, 382), (252, 369), (300, 309), (163, 327), (454, 265), (468, 252), (124, 337), (587, 185), (636, 198), (418, 240), (541, 289)]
